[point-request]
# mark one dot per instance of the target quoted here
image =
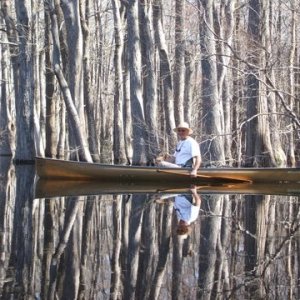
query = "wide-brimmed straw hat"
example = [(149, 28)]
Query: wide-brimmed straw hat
[(183, 125)]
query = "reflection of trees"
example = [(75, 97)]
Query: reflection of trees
[(164, 238), (210, 234), (134, 243), (69, 243), (7, 177), (17, 218), (121, 247)]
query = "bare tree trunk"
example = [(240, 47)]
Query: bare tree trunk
[(8, 129), (39, 104), (212, 148), (226, 34), (7, 207), (189, 62), (268, 120), (258, 144), (74, 66), (213, 145), (137, 105), (51, 117), (149, 78), (89, 101), (127, 114), (179, 70), (278, 155), (291, 151), (24, 93), (6, 118), (74, 117), (119, 138), (165, 75), (62, 132)]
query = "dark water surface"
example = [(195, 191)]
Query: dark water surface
[(125, 246)]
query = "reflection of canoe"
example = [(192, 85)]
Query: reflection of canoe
[(71, 170), (55, 188)]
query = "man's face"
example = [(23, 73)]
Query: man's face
[(182, 133)]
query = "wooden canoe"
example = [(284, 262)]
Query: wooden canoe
[(57, 188), (47, 168)]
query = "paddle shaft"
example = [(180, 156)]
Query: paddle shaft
[(204, 176), (184, 174)]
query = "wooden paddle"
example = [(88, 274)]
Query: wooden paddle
[(197, 187), (205, 176), (179, 173)]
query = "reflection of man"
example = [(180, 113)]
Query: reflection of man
[(187, 208)]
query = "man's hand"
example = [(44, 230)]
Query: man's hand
[(169, 158)]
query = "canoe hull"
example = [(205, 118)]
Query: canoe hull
[(71, 170)]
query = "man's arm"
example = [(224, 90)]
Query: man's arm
[(196, 165)]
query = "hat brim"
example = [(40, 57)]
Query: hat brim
[(189, 129)]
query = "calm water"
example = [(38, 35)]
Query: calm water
[(125, 246)]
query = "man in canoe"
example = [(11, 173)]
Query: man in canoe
[(187, 152)]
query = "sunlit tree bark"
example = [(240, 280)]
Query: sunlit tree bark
[(179, 67), (74, 118), (292, 81), (258, 144), (165, 76), (149, 78), (9, 65), (51, 110), (226, 33), (89, 100), (212, 147), (7, 131), (189, 62), (137, 105), (119, 134), (213, 120), (24, 90)]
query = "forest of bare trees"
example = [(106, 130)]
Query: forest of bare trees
[(108, 80)]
